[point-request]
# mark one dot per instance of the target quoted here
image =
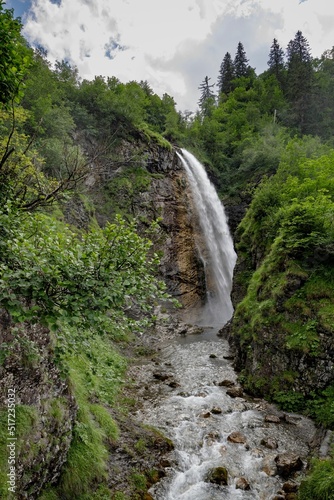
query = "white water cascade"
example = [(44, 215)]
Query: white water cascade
[(218, 254), (197, 412)]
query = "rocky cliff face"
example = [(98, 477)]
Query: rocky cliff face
[(149, 182), (181, 265), (44, 408)]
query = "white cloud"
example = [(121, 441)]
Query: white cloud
[(172, 44)]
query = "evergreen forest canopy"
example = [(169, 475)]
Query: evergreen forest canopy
[(266, 140)]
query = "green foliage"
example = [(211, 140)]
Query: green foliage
[(51, 274), (157, 138), (319, 485), (25, 418), (15, 57), (286, 244), (139, 481), (105, 421), (45, 98), (124, 188), (21, 176), (321, 407), (290, 401), (95, 373)]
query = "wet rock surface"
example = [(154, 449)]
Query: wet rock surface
[(218, 475), (236, 437), (242, 484), (288, 463)]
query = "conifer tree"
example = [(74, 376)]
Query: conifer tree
[(298, 50), (226, 75), (276, 60), (207, 99), (300, 81), (241, 67)]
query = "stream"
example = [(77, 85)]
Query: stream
[(195, 399), (198, 416)]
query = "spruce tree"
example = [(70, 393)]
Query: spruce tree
[(207, 98), (226, 75), (300, 81), (298, 50), (241, 66), (276, 60)]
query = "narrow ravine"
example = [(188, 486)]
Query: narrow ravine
[(195, 399), (199, 416)]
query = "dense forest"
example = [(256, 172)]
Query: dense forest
[(267, 143)]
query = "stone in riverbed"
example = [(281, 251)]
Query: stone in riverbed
[(287, 463), (218, 475), (242, 484), (173, 384), (269, 443), (268, 470), (290, 487), (235, 392), (160, 376), (226, 383), (274, 419), (212, 437), (236, 437), (216, 410)]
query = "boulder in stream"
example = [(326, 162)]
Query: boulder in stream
[(269, 443), (160, 376), (242, 484), (235, 392), (216, 410), (290, 487), (218, 475), (287, 463), (236, 437), (274, 419), (226, 383)]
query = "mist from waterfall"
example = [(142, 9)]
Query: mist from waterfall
[(215, 245)]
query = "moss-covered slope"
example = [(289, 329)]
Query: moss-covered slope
[(283, 327)]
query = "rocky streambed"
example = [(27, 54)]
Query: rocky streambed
[(227, 444)]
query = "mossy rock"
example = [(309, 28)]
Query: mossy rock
[(218, 475)]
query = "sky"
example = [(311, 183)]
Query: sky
[(173, 44)]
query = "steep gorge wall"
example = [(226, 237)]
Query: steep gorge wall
[(282, 329), (150, 181)]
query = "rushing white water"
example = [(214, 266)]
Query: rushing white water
[(200, 434), (218, 254), (198, 412)]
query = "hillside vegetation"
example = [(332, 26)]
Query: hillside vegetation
[(267, 143)]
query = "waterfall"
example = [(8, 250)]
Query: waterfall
[(215, 245), (200, 413)]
